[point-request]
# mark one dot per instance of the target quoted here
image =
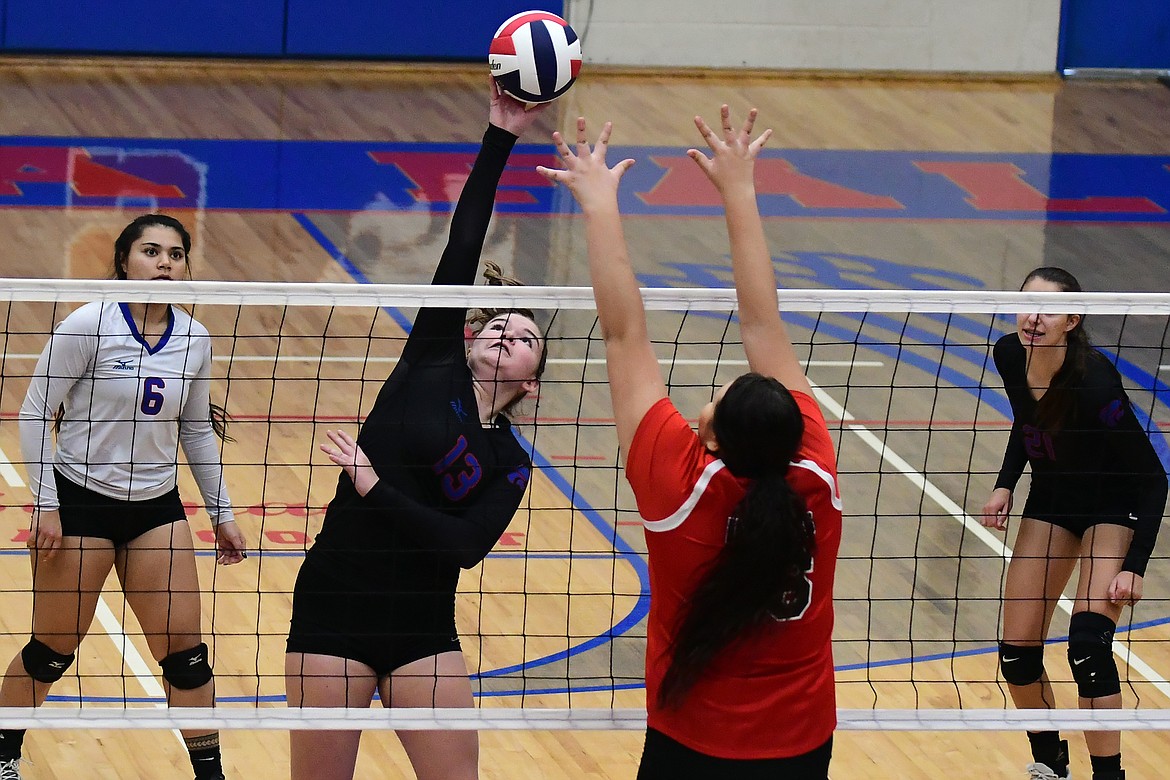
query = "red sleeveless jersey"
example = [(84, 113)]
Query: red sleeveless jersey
[(769, 694)]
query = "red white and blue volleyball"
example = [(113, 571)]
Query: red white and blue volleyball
[(535, 56)]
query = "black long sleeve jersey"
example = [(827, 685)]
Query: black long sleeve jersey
[(1100, 465), (449, 486)]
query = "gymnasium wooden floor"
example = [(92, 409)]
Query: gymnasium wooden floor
[(918, 593)]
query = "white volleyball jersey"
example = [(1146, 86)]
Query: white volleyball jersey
[(128, 406)]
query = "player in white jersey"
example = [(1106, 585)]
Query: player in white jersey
[(123, 385)]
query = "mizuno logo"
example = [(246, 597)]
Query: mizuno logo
[(57, 664), (1132, 516), (195, 660), (123, 365)]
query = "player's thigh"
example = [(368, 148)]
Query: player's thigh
[(1042, 563), (313, 680), (436, 681), (1103, 550), (159, 578), (66, 589)]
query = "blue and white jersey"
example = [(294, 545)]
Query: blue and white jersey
[(128, 406)]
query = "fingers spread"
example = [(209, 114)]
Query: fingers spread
[(562, 148), (706, 131), (701, 159), (603, 139), (763, 139), (750, 122)]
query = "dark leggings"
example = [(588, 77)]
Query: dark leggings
[(665, 759)]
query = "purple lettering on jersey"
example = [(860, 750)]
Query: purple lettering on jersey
[(519, 477), (451, 456), (1112, 413), (1038, 444), (459, 471), (152, 399)]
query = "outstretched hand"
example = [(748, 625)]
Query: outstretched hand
[(508, 113), (733, 156), (586, 173)]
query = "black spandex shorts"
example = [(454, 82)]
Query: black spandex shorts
[(343, 615), (1076, 523), (666, 759), (88, 513)]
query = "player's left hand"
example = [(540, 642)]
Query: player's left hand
[(230, 544), (346, 453), (1126, 588), (733, 153)]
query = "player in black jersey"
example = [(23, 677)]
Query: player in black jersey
[(374, 603), (1097, 496)]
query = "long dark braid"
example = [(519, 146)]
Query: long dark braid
[(758, 576)]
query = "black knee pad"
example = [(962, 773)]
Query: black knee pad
[(1090, 655), (43, 663), (1021, 664), (187, 669)]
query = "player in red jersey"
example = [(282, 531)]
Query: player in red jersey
[(742, 519)]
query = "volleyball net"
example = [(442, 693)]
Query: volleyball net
[(552, 623)]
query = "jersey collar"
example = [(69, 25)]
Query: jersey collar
[(162, 342)]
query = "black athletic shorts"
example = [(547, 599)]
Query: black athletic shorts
[(1040, 506), (666, 759), (347, 614), (85, 512)]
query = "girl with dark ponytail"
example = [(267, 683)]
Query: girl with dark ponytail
[(1097, 495), (742, 518), (758, 575)]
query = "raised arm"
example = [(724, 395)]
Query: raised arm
[(635, 381), (442, 329), (731, 168)]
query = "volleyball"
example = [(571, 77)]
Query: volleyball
[(535, 56)]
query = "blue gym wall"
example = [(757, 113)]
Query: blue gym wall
[(372, 29), (1093, 33), (1098, 34)]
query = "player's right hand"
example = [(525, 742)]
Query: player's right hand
[(45, 532), (997, 508)]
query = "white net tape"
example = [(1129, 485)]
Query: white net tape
[(887, 475)]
